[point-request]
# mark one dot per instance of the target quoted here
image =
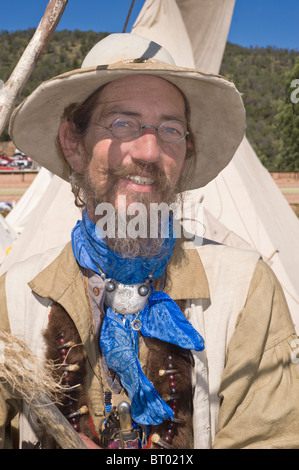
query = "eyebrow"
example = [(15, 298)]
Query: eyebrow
[(126, 112)]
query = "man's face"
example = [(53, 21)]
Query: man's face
[(145, 169)]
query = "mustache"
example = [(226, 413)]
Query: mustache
[(149, 170), (110, 182)]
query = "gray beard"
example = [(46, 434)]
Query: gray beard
[(144, 246), (141, 246)]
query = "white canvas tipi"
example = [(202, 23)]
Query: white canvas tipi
[(49, 225), (7, 238), (20, 214)]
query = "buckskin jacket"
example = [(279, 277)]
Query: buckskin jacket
[(245, 384)]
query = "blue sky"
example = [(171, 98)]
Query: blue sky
[(255, 22)]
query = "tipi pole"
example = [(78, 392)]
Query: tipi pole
[(14, 86)]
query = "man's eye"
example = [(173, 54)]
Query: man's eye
[(124, 123), (171, 130), (174, 130)]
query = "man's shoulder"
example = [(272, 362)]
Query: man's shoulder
[(224, 262), (215, 253)]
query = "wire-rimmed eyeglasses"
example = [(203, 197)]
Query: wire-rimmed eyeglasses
[(129, 128)]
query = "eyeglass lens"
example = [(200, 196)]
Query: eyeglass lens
[(129, 128)]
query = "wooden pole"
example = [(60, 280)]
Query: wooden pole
[(128, 16), (55, 423), (14, 86)]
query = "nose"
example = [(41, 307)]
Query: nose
[(146, 147)]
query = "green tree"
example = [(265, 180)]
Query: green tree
[(287, 119)]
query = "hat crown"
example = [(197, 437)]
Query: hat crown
[(126, 48)]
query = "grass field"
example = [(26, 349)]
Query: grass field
[(10, 191), (289, 190)]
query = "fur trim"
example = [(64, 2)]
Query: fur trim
[(182, 360), (61, 326)]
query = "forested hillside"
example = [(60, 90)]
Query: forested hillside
[(263, 75)]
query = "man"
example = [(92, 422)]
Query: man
[(161, 344)]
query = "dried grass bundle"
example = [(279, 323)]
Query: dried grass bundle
[(26, 374), (30, 379)]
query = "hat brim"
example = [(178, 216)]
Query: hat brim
[(217, 115)]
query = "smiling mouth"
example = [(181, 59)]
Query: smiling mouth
[(142, 180)]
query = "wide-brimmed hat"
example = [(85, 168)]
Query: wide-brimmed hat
[(217, 116)]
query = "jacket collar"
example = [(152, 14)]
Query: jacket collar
[(62, 279), (185, 274)]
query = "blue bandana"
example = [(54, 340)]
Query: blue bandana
[(91, 252), (161, 318)]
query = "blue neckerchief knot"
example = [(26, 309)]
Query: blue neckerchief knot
[(161, 318)]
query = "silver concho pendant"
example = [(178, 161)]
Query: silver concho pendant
[(126, 299)]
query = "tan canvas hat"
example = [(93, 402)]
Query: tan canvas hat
[(217, 112)]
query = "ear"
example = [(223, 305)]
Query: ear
[(189, 150), (190, 147), (71, 147)]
